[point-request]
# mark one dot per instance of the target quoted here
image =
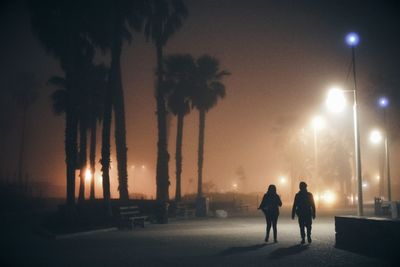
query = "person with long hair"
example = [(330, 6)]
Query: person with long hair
[(270, 207)]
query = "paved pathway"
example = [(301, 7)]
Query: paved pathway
[(207, 242)]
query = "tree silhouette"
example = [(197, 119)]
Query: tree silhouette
[(113, 21), (208, 91), (24, 90), (92, 83), (163, 19), (60, 27), (179, 82)]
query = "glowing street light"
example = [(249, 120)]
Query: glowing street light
[(335, 100), (352, 39), (282, 180), (383, 102), (318, 123), (375, 137), (235, 186)]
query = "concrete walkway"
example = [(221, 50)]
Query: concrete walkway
[(197, 242)]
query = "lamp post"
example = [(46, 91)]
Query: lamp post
[(384, 103), (376, 137), (317, 124), (352, 39)]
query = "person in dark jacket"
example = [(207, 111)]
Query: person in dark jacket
[(304, 208), (270, 207)]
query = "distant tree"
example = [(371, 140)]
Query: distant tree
[(336, 155), (24, 90), (209, 89), (162, 20), (179, 82)]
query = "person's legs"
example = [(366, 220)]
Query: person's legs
[(308, 226), (274, 226), (302, 232), (268, 228)]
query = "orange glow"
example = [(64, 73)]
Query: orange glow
[(88, 175)]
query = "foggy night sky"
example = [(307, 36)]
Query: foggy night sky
[(283, 55)]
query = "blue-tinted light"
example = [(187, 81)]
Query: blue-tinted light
[(383, 102), (352, 39)]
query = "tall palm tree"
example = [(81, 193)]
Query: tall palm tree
[(96, 101), (25, 92), (209, 89), (89, 106), (179, 82), (109, 31), (163, 19), (59, 26)]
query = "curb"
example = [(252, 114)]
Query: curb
[(104, 230)]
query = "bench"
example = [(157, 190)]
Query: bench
[(382, 207), (243, 207), (131, 215), (183, 211)]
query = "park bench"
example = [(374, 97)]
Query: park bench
[(131, 216), (242, 207), (382, 207), (184, 211)]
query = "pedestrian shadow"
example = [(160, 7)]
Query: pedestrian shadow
[(283, 252), (237, 250)]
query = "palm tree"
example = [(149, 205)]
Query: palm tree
[(163, 19), (89, 106), (25, 92), (96, 101), (109, 31), (208, 90), (179, 81), (59, 26), (93, 80)]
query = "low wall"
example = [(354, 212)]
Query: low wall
[(371, 236)]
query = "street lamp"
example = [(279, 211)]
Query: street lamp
[(384, 104), (352, 39), (375, 137), (317, 123), (336, 102)]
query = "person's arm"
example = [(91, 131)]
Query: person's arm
[(294, 207), (279, 201), (312, 205), (262, 203)]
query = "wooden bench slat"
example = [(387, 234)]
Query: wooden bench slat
[(133, 215)]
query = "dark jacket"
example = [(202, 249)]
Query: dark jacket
[(270, 204), (303, 205)]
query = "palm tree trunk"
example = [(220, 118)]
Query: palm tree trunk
[(120, 133), (202, 124), (178, 156), (22, 147), (71, 132), (82, 158), (118, 104), (162, 176), (105, 150), (92, 157)]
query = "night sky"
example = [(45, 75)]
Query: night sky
[(283, 56)]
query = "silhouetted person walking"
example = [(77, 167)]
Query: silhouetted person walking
[(270, 207), (304, 207)]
